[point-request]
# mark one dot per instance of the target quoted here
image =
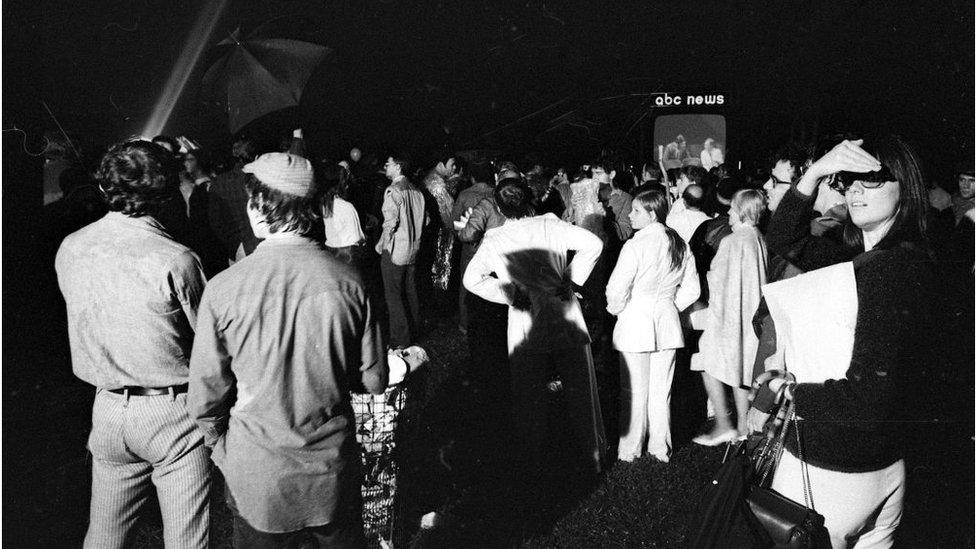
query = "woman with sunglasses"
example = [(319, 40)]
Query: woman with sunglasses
[(853, 430)]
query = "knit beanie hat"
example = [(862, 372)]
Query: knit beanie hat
[(284, 172)]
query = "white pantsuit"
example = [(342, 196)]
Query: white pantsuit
[(646, 294), (645, 404)]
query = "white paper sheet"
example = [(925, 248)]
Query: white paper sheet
[(815, 314)]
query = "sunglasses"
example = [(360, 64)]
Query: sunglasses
[(842, 181)]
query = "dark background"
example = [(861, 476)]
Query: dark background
[(423, 73), (565, 79)]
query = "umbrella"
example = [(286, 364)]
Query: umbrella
[(259, 75)]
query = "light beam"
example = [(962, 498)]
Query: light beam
[(196, 43)]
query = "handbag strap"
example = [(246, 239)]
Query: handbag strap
[(769, 453), (804, 468)]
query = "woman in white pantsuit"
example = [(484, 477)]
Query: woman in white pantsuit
[(655, 278)]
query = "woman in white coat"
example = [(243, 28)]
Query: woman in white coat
[(655, 279), (524, 264), (727, 348)]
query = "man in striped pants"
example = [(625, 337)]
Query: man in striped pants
[(132, 294)]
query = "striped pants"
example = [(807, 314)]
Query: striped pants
[(143, 439)]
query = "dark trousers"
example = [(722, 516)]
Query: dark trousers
[(345, 532), (402, 303), (467, 252)]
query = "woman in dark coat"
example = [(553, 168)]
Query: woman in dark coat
[(853, 429)]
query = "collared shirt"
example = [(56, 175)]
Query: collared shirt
[(131, 293), (289, 330), (531, 254), (685, 221), (403, 220)]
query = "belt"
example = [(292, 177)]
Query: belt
[(150, 391)]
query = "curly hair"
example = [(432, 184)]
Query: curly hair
[(282, 211), (137, 177)]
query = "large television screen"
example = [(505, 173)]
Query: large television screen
[(689, 140)]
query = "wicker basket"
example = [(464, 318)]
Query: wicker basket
[(376, 421)]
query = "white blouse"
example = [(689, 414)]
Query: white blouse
[(342, 228), (647, 295), (529, 256)]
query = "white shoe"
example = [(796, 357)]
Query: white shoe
[(714, 440)]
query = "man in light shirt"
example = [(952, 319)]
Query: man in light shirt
[(404, 217), (283, 336), (686, 221)]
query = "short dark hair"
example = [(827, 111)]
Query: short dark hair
[(696, 174), (481, 172), (137, 177), (514, 198), (244, 149), (203, 157), (694, 196), (797, 157), (460, 164), (283, 211), (403, 159)]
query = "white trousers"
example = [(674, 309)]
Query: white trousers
[(645, 404), (860, 510)]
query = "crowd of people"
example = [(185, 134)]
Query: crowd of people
[(226, 313)]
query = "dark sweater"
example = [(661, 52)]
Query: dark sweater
[(859, 423)]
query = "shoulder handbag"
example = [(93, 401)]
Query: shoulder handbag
[(779, 521)]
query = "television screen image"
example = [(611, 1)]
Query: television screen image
[(689, 140)]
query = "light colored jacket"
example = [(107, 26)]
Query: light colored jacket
[(528, 256), (403, 219), (646, 294), (727, 348)]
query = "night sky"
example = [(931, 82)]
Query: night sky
[(421, 74)]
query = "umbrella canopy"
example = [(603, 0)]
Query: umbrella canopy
[(259, 75)]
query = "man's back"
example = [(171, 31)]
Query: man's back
[(291, 328), (131, 294), (470, 197)]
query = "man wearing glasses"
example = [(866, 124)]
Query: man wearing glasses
[(403, 218)]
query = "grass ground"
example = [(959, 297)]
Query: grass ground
[(454, 458)]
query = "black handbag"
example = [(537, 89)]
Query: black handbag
[(779, 521)]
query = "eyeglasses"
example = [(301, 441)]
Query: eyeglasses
[(842, 181)]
